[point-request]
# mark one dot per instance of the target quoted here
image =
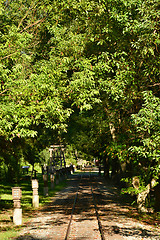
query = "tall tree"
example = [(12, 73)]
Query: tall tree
[(93, 58)]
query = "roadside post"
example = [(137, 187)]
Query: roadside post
[(17, 212), (52, 177), (35, 197)]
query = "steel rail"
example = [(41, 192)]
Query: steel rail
[(74, 204), (97, 215)]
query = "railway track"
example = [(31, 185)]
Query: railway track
[(84, 209)]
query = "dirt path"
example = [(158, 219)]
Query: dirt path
[(52, 221)]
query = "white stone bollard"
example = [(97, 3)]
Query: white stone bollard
[(52, 180), (35, 197), (17, 216), (17, 212)]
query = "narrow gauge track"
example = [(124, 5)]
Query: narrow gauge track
[(84, 201)]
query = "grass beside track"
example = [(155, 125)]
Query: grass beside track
[(7, 229)]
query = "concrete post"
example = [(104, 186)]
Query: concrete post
[(35, 197), (17, 216), (17, 212), (52, 177)]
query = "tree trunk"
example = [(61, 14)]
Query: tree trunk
[(141, 199), (106, 168), (141, 196), (112, 131)]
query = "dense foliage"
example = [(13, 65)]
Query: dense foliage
[(86, 71)]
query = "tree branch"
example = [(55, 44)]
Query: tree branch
[(23, 18), (4, 91), (8, 55), (26, 15), (32, 25), (156, 84)]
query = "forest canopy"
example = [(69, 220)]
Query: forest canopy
[(86, 72)]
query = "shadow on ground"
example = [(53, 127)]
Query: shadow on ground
[(110, 208), (30, 237)]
